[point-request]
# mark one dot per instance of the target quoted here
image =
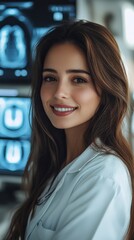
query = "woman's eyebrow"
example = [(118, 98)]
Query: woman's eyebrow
[(67, 71), (49, 70), (77, 71)]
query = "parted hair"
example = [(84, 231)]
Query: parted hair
[(48, 144)]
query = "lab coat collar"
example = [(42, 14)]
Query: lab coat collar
[(83, 159)]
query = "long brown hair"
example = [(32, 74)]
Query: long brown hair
[(48, 144)]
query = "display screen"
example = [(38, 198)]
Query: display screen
[(15, 133), (22, 23)]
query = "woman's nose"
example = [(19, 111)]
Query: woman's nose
[(62, 91)]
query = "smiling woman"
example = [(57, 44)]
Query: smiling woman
[(67, 89), (79, 176)]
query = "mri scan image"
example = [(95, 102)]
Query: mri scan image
[(15, 133)]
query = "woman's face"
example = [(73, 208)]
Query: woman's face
[(67, 92)]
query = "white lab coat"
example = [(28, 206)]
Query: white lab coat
[(89, 200)]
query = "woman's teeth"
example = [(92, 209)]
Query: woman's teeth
[(63, 109)]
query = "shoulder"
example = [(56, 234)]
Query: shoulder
[(104, 179), (108, 166), (112, 165)]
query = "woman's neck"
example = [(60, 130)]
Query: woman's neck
[(75, 143)]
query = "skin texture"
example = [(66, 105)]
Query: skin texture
[(68, 94)]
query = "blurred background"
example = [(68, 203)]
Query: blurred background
[(22, 23)]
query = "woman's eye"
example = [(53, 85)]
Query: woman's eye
[(79, 80), (49, 79)]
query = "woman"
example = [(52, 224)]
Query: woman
[(79, 176)]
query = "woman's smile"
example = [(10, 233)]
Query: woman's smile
[(62, 110)]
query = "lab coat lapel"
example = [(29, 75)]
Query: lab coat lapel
[(44, 208)]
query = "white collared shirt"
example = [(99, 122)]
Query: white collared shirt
[(90, 200)]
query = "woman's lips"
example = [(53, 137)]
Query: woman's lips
[(62, 110)]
